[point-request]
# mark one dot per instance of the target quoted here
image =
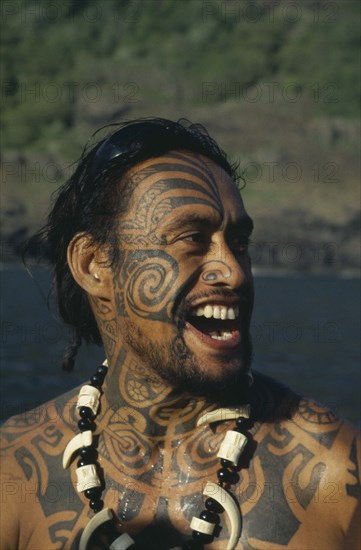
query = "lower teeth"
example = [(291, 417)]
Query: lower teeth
[(223, 336)]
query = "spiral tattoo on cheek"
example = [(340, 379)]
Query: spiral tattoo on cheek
[(144, 285)]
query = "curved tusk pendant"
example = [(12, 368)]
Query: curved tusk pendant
[(223, 415), (84, 439), (122, 543), (224, 499), (98, 519)]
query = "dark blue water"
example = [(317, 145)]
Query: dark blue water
[(305, 330)]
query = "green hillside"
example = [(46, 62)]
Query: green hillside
[(276, 82)]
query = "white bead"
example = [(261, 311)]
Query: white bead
[(87, 477), (232, 446), (121, 543), (202, 526), (84, 439), (88, 397)]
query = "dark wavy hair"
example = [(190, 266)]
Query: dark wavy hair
[(96, 195)]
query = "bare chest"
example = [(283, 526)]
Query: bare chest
[(156, 489), (156, 486)]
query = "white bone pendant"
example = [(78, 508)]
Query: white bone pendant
[(232, 446), (121, 543), (98, 519), (84, 439), (224, 414), (198, 524), (87, 478), (88, 397), (224, 499)]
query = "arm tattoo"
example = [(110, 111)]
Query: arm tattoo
[(353, 490)]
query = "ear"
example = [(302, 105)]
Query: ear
[(89, 267)]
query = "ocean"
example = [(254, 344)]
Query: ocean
[(305, 330)]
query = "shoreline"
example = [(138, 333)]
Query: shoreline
[(258, 271)]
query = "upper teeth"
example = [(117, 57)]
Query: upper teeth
[(217, 312)]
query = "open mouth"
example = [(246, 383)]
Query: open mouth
[(215, 324)]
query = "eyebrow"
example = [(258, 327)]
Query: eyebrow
[(191, 219), (245, 222)]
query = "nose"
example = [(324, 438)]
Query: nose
[(222, 268)]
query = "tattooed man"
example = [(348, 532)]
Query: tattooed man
[(149, 245)]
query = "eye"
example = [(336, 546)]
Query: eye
[(195, 238), (239, 244)]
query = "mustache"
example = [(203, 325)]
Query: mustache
[(241, 294)]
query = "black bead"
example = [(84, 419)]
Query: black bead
[(96, 505), (241, 422), (202, 537), (239, 429), (213, 506), (97, 380), (211, 517), (85, 412), (192, 545), (102, 371), (87, 452), (84, 461), (84, 424), (93, 493), (224, 475), (226, 463)]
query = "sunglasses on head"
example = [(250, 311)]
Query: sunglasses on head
[(131, 139)]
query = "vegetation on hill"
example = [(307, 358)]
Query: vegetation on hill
[(276, 82)]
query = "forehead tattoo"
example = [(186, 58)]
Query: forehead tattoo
[(172, 172)]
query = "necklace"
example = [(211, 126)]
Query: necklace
[(218, 498)]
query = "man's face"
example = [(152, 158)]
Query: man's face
[(183, 288)]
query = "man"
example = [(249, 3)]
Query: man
[(149, 245)]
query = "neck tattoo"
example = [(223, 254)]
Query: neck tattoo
[(218, 499)]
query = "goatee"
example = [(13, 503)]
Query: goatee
[(176, 365)]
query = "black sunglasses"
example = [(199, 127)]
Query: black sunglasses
[(132, 138)]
